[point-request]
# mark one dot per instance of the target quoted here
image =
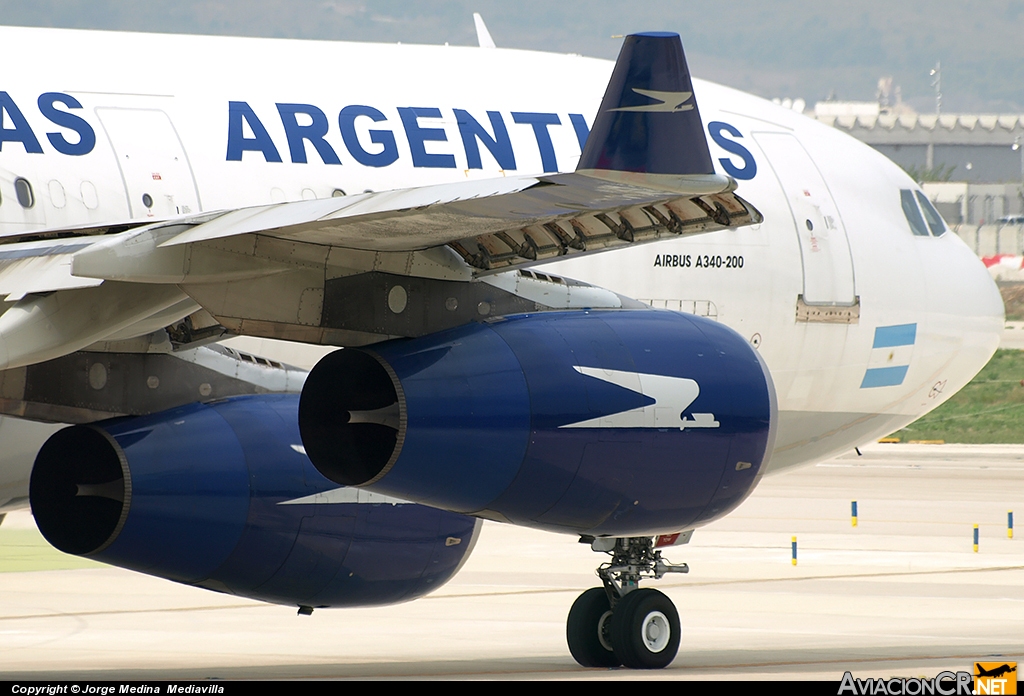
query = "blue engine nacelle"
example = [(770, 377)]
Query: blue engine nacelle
[(222, 496), (619, 423)]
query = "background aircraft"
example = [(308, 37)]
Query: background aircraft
[(141, 225)]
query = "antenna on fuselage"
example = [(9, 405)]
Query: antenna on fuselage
[(483, 37)]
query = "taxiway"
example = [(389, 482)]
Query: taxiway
[(902, 593)]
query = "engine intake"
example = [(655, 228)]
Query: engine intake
[(85, 495), (357, 418)]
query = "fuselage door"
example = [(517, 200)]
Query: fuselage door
[(157, 175), (824, 248)]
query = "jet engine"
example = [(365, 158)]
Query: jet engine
[(617, 422), (221, 495)]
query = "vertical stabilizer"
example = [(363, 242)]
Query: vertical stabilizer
[(648, 121)]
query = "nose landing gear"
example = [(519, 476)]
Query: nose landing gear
[(621, 624)]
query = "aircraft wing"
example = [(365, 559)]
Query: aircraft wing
[(495, 223), (645, 174), (41, 266), (498, 224), (492, 224)]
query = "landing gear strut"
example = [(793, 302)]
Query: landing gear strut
[(621, 624)]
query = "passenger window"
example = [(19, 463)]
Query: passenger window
[(935, 221), (26, 196), (57, 196), (913, 213), (90, 197)]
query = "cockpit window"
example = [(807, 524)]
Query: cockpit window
[(913, 213), (935, 221)]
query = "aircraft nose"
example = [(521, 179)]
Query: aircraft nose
[(967, 316)]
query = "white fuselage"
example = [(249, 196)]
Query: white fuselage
[(169, 125)]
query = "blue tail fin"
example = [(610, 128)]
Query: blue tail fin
[(648, 121)]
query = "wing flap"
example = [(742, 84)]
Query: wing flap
[(604, 230)]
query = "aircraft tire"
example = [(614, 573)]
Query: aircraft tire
[(590, 614), (645, 630)]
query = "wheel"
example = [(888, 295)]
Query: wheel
[(645, 630), (587, 629)]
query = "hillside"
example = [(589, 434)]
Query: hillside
[(791, 48)]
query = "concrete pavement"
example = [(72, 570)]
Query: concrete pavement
[(900, 594)]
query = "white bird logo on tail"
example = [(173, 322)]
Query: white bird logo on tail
[(668, 102)]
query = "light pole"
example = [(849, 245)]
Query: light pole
[(936, 72), (1017, 148)]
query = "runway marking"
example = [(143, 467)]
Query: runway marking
[(848, 576), (840, 661), (538, 591), (679, 667), (634, 674), (745, 581), (1000, 520), (119, 612), (996, 521), (931, 467)]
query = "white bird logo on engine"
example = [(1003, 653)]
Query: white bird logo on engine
[(672, 396)]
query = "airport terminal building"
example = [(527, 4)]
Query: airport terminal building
[(972, 165)]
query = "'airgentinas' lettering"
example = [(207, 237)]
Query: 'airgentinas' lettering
[(86, 135), (14, 128), (240, 117), (369, 137), (749, 168), (429, 145)]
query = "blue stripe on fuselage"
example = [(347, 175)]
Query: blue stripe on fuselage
[(892, 336), (884, 376)]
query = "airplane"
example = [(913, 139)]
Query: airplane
[(603, 316), (995, 671)]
